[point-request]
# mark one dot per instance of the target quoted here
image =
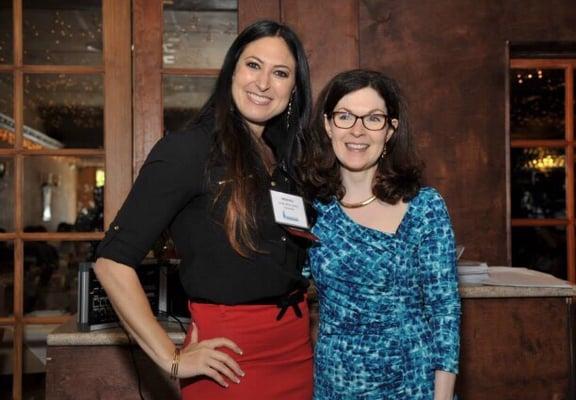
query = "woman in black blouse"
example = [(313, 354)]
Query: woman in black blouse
[(241, 269)]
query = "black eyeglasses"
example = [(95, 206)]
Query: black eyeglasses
[(372, 122)]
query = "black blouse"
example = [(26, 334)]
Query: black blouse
[(175, 189)]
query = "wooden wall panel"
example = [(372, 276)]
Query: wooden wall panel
[(18, 299), (450, 58), (148, 121), (105, 372), (117, 104), (250, 11), (329, 32), (515, 349)]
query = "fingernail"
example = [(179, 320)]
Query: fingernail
[(237, 380), (242, 373)]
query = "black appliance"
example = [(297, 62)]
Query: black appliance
[(160, 281)]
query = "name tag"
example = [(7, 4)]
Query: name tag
[(289, 209)]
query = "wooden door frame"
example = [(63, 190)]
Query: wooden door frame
[(569, 67), (117, 104), (148, 69), (116, 72)]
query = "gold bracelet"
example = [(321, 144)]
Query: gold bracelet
[(175, 363)]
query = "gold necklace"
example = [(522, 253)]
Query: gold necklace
[(358, 205)]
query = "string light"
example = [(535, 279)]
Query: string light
[(74, 36), (543, 160), (537, 103), (9, 137), (77, 98), (62, 33), (100, 177), (198, 38), (521, 77)]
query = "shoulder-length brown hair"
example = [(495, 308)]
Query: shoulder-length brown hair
[(398, 175)]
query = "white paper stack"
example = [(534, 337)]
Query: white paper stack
[(472, 271)]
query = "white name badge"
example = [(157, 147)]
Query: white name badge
[(289, 209)]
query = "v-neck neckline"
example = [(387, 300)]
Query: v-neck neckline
[(378, 231)]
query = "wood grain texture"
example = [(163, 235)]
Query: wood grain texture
[(65, 152), (104, 372), (329, 32), (520, 143), (148, 115), (250, 11), (18, 98), (450, 58), (191, 71), (62, 69), (515, 349), (569, 111), (117, 104)]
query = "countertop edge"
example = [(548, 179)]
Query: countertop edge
[(485, 291), (68, 334)]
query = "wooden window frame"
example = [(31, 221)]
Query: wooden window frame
[(133, 115), (116, 72), (569, 67), (149, 70)]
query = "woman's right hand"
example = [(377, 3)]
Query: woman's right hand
[(203, 358)]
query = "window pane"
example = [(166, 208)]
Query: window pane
[(63, 194), (197, 34), (34, 360), (6, 111), (6, 356), (6, 279), (51, 275), (6, 32), (183, 97), (6, 194), (537, 103), (63, 110), (538, 183), (540, 248), (63, 32)]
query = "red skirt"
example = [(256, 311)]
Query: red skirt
[(277, 355)]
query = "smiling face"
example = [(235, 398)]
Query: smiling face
[(357, 148), (263, 81)]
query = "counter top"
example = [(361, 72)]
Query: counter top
[(503, 282), (469, 291), (68, 334), (517, 282)]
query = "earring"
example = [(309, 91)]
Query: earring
[(289, 113), (383, 151)]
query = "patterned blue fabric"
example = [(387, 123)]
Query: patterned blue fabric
[(389, 303)]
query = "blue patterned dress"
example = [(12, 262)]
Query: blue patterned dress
[(389, 303)]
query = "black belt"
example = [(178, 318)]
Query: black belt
[(284, 302)]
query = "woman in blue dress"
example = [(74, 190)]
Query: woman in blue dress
[(384, 265)]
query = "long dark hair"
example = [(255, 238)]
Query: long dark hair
[(398, 174), (235, 145)]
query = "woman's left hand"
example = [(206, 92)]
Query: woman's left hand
[(444, 385)]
